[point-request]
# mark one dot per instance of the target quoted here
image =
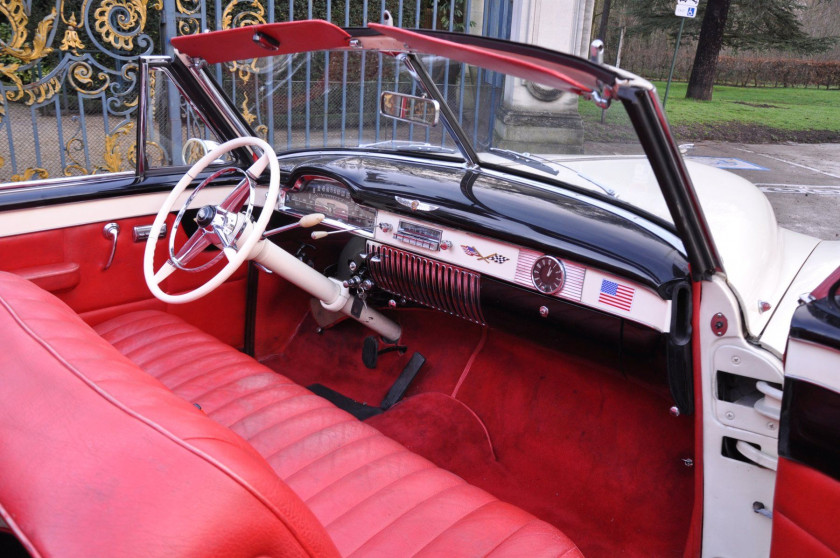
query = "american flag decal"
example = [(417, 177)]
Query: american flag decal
[(470, 251), (617, 295)]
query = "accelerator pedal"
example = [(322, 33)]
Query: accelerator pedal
[(364, 411), (401, 385)]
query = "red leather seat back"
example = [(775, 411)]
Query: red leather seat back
[(100, 459)]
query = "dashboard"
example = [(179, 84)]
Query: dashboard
[(442, 267)]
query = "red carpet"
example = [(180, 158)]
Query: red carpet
[(573, 441)]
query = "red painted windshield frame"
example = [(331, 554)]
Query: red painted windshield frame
[(311, 35), (238, 44), (520, 66)]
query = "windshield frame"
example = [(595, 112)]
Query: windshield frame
[(638, 97)]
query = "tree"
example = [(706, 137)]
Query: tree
[(737, 24), (702, 80)]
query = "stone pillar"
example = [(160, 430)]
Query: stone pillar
[(534, 118)]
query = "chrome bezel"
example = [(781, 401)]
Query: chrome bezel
[(562, 274)]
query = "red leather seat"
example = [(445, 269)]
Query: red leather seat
[(138, 470)]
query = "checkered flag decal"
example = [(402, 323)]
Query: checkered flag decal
[(498, 258)]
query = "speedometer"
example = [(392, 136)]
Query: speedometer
[(316, 194)]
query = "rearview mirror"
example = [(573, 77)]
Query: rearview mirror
[(408, 108)]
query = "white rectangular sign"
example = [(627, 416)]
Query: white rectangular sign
[(686, 8)]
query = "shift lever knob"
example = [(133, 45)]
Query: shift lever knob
[(311, 220)]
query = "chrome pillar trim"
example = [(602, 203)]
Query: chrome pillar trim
[(450, 121), (147, 63), (697, 235), (232, 118)]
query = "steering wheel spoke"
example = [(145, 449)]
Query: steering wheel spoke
[(192, 247), (165, 271), (227, 225), (237, 198)]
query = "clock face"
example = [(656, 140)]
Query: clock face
[(548, 274)]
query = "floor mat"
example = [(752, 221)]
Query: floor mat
[(333, 358), (416, 422), (576, 443), (580, 446)]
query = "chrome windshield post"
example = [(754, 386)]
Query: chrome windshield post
[(147, 64), (450, 121)]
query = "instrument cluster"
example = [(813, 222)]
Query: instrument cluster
[(319, 194)]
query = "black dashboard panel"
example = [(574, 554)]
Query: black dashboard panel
[(509, 210)]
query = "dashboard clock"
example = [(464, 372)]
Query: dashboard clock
[(548, 274)]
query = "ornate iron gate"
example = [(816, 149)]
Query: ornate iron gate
[(69, 73)]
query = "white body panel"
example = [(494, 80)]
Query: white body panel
[(23, 221), (730, 526), (759, 258), (824, 259)]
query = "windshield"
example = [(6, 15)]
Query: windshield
[(332, 100), (328, 100)]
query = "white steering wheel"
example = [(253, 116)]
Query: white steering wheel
[(224, 225)]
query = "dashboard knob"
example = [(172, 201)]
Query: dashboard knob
[(367, 285), (386, 227)]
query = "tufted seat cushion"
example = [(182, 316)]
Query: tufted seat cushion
[(344, 485)]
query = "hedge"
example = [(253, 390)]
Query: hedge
[(777, 72)]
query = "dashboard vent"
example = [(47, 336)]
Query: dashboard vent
[(438, 285)]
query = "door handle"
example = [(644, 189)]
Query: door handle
[(771, 404), (111, 230), (757, 456)]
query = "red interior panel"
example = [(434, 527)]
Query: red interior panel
[(70, 262), (53, 277), (807, 505)]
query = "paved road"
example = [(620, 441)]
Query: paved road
[(802, 181)]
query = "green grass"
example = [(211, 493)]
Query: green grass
[(792, 109)]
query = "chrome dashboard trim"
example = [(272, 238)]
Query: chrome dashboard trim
[(58, 181)]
